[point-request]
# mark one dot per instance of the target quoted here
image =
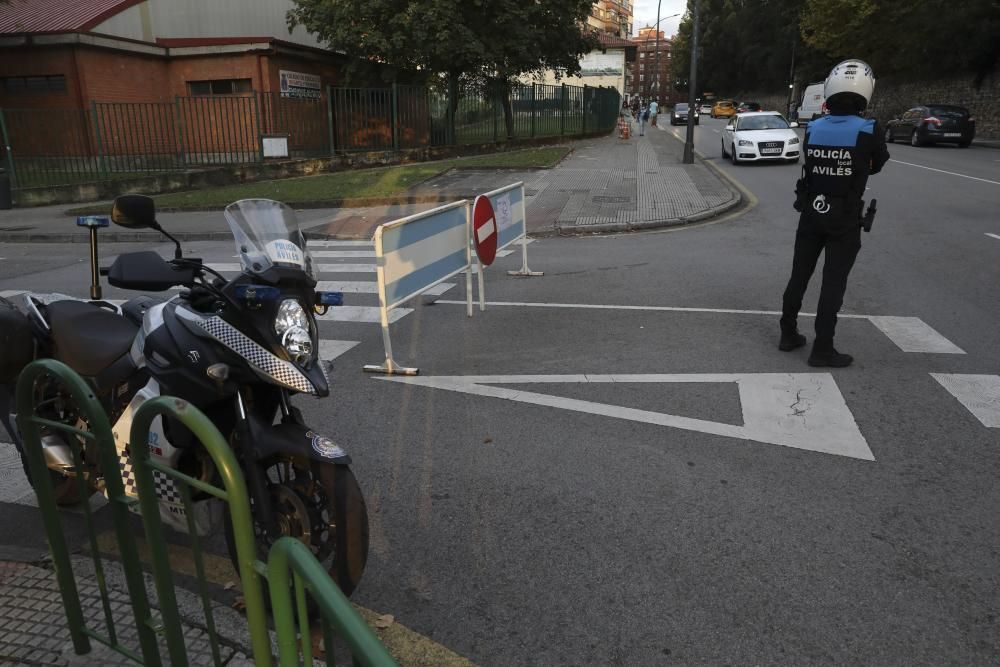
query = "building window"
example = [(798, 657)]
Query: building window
[(642, 77), (219, 87), (49, 83), (642, 55)]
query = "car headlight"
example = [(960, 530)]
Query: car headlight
[(292, 326), (744, 142), (793, 141)]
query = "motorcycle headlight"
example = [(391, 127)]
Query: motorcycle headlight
[(292, 326)]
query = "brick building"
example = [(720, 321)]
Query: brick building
[(646, 80), (72, 53), (613, 17)]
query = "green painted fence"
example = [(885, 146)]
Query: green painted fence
[(117, 140), (160, 630)]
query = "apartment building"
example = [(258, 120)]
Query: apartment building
[(651, 76), (613, 17)]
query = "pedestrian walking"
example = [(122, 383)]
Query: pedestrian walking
[(653, 109), (841, 150), (643, 119)]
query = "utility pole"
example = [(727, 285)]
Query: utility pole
[(692, 86), (658, 19)]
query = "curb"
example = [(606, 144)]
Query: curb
[(110, 237)]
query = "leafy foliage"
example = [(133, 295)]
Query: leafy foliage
[(748, 44), (475, 38)]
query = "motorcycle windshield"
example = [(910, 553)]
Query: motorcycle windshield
[(267, 235)]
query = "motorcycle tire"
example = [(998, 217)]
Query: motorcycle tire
[(338, 504), (65, 488)]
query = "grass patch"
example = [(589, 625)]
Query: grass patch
[(365, 183)]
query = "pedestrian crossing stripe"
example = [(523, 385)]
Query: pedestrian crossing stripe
[(223, 267), (342, 254), (366, 287), (333, 243)]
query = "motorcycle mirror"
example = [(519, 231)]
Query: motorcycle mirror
[(134, 212)]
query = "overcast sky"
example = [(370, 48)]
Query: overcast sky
[(644, 13)]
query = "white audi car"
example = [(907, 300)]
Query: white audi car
[(760, 135)]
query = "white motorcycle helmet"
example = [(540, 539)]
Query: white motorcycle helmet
[(851, 76)]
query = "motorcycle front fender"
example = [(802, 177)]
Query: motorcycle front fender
[(294, 440)]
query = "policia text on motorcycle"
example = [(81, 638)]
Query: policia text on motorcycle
[(841, 151)]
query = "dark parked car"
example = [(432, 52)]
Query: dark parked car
[(746, 107), (679, 116), (933, 123)]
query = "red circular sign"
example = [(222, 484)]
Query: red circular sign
[(484, 230)]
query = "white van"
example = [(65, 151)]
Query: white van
[(812, 106)]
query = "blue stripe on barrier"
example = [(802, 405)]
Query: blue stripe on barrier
[(418, 230), (422, 278), (517, 229)]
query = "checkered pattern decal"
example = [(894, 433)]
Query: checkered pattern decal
[(281, 371), (166, 488)]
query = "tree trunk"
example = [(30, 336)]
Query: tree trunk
[(508, 109)]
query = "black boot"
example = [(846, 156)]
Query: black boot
[(791, 339), (828, 356)]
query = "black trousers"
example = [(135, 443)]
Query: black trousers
[(840, 238)]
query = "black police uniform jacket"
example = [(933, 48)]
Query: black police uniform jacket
[(840, 153)]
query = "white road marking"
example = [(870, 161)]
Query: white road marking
[(338, 242), (341, 254), (322, 268), (995, 236), (366, 314), (980, 394), (912, 334), (371, 287), (942, 171), (800, 410), (331, 349)]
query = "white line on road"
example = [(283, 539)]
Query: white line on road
[(338, 242), (331, 349), (995, 236), (800, 410), (341, 254), (980, 394), (371, 287), (322, 268), (366, 314), (910, 334), (952, 173)]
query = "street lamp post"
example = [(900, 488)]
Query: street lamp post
[(657, 28), (692, 86)]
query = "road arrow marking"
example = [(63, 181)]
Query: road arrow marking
[(800, 410)]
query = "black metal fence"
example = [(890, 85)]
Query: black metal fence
[(114, 140)]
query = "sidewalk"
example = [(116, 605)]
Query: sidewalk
[(604, 185)]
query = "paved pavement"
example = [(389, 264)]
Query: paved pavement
[(605, 184)]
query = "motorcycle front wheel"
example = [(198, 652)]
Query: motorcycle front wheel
[(322, 506)]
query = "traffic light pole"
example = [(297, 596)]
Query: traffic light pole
[(692, 87)]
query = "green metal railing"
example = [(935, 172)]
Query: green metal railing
[(288, 555), (36, 386), (116, 140)]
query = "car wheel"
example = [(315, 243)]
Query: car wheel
[(888, 135), (732, 156), (964, 144), (724, 154), (915, 140)]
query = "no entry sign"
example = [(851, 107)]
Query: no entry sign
[(484, 230)]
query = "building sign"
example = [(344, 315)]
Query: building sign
[(602, 64), (298, 84)]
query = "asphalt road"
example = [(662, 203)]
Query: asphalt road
[(630, 512)]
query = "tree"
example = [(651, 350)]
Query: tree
[(488, 41)]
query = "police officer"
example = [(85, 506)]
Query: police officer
[(841, 150)]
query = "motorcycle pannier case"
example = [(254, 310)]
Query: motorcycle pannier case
[(17, 344)]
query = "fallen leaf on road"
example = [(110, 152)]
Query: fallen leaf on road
[(240, 603), (384, 621)]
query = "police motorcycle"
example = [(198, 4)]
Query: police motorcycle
[(237, 349)]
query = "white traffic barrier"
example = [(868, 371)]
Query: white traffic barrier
[(509, 207), (412, 255)]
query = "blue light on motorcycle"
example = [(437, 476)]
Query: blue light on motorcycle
[(92, 221), (330, 298), (257, 293)]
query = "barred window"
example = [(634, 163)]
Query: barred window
[(48, 83)]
